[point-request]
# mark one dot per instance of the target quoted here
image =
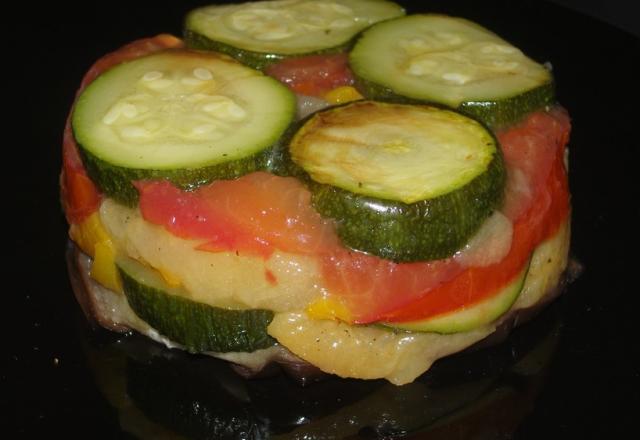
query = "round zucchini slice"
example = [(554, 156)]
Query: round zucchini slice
[(451, 61), (198, 327), (260, 33), (403, 182), (186, 116)]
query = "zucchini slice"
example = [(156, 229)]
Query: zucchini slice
[(472, 316), (260, 33), (452, 61), (403, 182), (199, 327), (187, 116)]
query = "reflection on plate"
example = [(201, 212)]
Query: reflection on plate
[(162, 393)]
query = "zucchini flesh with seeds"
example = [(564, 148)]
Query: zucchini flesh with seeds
[(260, 33), (186, 116), (451, 61), (198, 327), (403, 182)]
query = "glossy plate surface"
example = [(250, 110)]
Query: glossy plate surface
[(572, 372)]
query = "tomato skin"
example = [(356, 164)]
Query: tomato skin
[(313, 75), (80, 196)]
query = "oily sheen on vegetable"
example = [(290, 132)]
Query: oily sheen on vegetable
[(394, 229), (453, 61), (259, 34), (392, 175)]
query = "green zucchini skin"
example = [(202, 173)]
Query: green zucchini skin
[(427, 230), (256, 60), (402, 232), (241, 114), (496, 101), (495, 114), (198, 327), (310, 28), (508, 111), (472, 316), (117, 182)]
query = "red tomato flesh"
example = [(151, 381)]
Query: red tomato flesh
[(313, 75), (254, 214)]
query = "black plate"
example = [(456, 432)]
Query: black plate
[(573, 372)]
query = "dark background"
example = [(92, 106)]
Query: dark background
[(624, 14), (47, 388)]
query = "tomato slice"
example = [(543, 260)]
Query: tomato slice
[(313, 75), (254, 214), (530, 149), (80, 196)]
